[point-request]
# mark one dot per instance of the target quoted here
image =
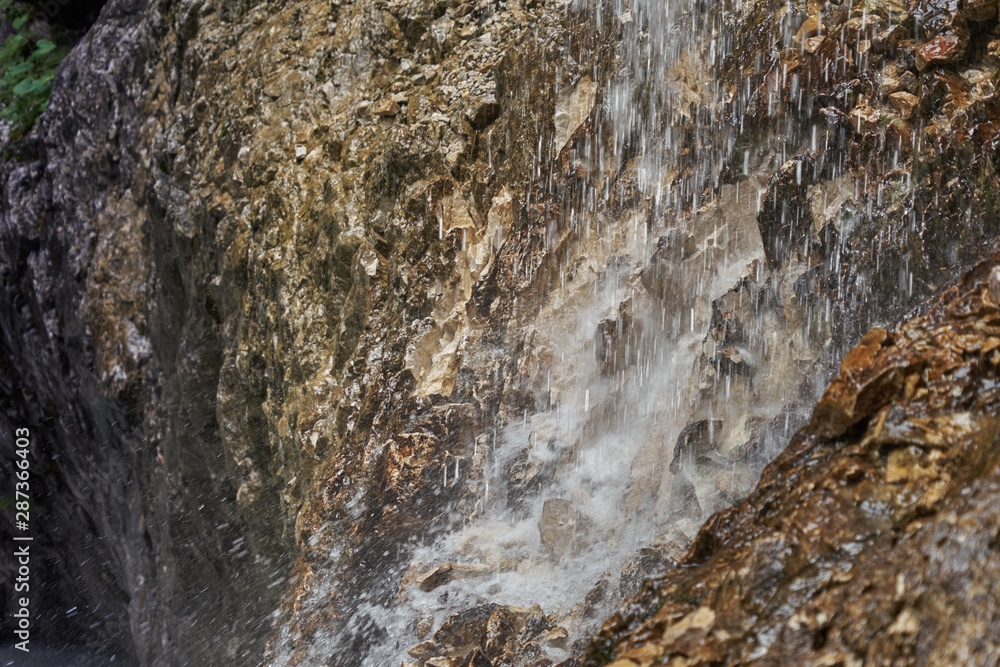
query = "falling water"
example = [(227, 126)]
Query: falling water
[(630, 351)]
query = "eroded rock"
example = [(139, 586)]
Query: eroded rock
[(844, 523), (489, 635)]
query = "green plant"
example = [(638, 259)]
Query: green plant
[(28, 65)]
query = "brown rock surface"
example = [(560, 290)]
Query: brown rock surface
[(266, 330), (868, 542)]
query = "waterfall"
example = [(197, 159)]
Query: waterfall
[(635, 353)]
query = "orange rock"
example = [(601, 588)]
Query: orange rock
[(865, 351)]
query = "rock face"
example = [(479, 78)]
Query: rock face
[(291, 290), (868, 540), (243, 256)]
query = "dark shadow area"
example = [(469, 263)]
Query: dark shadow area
[(76, 16)]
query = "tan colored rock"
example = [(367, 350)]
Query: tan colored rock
[(573, 106), (644, 655), (993, 287), (993, 52), (813, 44), (904, 465), (562, 527), (827, 198), (889, 85), (905, 624), (685, 635), (439, 575), (423, 650), (387, 108), (904, 103), (557, 637), (811, 27), (443, 661), (864, 118)]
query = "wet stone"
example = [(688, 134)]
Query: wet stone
[(904, 103), (844, 521), (940, 50), (562, 527), (696, 444), (439, 575), (685, 635)]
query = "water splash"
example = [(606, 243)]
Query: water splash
[(666, 332)]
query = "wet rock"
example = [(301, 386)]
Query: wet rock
[(785, 219), (476, 659), (826, 200), (942, 18), (861, 388), (525, 478), (557, 637), (888, 40), (980, 10), (439, 575), (387, 108), (487, 635), (943, 49), (482, 112), (660, 276), (841, 527), (685, 635), (616, 343), (904, 103), (696, 444), (864, 118), (562, 527), (285, 333), (993, 52), (573, 106)]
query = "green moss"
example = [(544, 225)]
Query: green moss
[(28, 66)]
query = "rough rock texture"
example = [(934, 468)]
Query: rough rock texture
[(872, 539), (111, 354), (275, 274), (239, 256)]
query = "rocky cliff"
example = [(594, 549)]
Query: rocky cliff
[(290, 287)]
